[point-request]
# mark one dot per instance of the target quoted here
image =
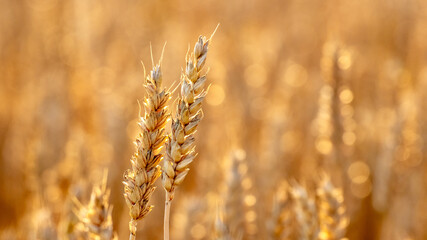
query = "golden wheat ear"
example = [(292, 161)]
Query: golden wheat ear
[(280, 225), (145, 170), (96, 216), (332, 212), (180, 145), (305, 212)]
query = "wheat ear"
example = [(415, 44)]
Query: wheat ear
[(139, 180), (235, 208), (305, 213), (331, 210), (280, 225), (96, 216), (180, 147)]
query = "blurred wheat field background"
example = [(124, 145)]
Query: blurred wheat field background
[(315, 118)]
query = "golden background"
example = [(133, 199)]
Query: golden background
[(297, 87)]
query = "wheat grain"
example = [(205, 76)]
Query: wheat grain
[(139, 180)]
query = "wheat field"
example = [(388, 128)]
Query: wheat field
[(231, 120)]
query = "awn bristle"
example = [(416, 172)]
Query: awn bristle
[(180, 147), (139, 180), (331, 211)]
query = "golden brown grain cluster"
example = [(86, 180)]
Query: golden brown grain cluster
[(145, 170), (180, 148), (96, 216)]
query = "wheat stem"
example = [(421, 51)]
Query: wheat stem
[(132, 229), (168, 203)]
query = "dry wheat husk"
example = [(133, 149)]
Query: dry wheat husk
[(145, 170)]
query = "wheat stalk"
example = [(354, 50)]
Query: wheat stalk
[(180, 147), (331, 211), (139, 180), (221, 230)]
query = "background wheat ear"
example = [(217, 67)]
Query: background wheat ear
[(280, 225), (305, 212), (221, 231), (96, 216), (145, 170), (331, 211)]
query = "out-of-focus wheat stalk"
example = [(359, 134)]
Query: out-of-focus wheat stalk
[(96, 216), (139, 180), (335, 124), (331, 211), (234, 204), (221, 230), (180, 148)]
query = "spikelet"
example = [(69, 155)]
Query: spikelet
[(96, 216), (331, 211), (305, 213), (139, 180), (180, 149)]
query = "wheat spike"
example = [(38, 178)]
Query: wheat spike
[(180, 149), (331, 210), (96, 216), (235, 208), (139, 180), (305, 213), (280, 225)]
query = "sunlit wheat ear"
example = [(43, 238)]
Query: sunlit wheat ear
[(145, 170), (96, 216), (280, 225), (305, 213), (331, 210), (180, 147)]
